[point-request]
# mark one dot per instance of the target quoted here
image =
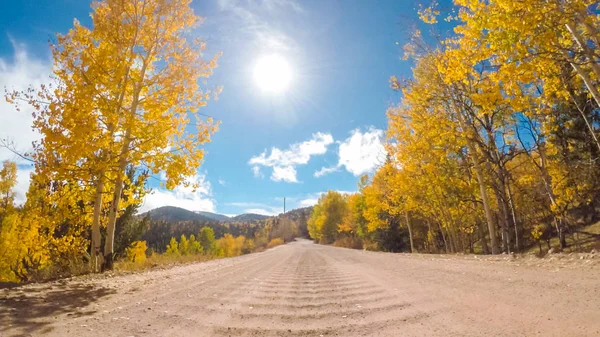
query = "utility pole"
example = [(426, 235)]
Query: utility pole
[(283, 205)]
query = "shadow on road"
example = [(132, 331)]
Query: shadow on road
[(33, 310)]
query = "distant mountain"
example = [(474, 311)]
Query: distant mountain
[(249, 217), (171, 213), (298, 213), (214, 216), (300, 216), (171, 222)]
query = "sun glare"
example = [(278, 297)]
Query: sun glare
[(272, 74)]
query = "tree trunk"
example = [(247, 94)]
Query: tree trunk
[(433, 243), (563, 239), (410, 234), (561, 234), (589, 83), (486, 202), (500, 188), (461, 239), (484, 246), (502, 218), (587, 123), (586, 50), (513, 213), (585, 77), (480, 178), (470, 243), (451, 246), (444, 237), (96, 239), (592, 31), (114, 207)]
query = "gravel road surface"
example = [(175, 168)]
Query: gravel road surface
[(304, 289)]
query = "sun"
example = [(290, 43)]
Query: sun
[(272, 74)]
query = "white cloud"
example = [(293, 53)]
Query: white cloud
[(309, 202), (360, 153), (283, 162), (286, 173), (222, 182), (22, 186), (257, 208), (278, 4), (326, 170), (244, 204), (252, 18), (256, 172), (261, 211), (18, 74), (185, 197), (297, 154), (313, 198)]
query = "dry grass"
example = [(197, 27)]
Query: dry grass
[(275, 242), (349, 242), (68, 268), (584, 240), (156, 260), (165, 260)]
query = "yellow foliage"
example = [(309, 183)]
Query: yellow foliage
[(184, 245), (173, 248), (8, 179), (137, 252), (248, 246), (537, 231), (23, 247), (228, 246), (326, 216), (275, 242), (132, 104), (428, 15)]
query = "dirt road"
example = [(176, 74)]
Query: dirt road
[(303, 289)]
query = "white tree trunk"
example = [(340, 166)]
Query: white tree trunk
[(114, 207), (410, 234), (96, 239)]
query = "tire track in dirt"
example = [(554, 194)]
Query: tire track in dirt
[(310, 296)]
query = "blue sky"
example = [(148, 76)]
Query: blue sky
[(321, 133)]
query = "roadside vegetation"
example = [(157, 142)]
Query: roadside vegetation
[(494, 145), (203, 246)]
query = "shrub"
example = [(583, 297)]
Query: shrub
[(228, 246), (275, 242), (349, 242), (173, 247), (248, 246), (194, 246), (371, 245), (206, 238), (137, 252), (184, 245)]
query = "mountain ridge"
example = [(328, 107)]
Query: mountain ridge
[(174, 213)]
